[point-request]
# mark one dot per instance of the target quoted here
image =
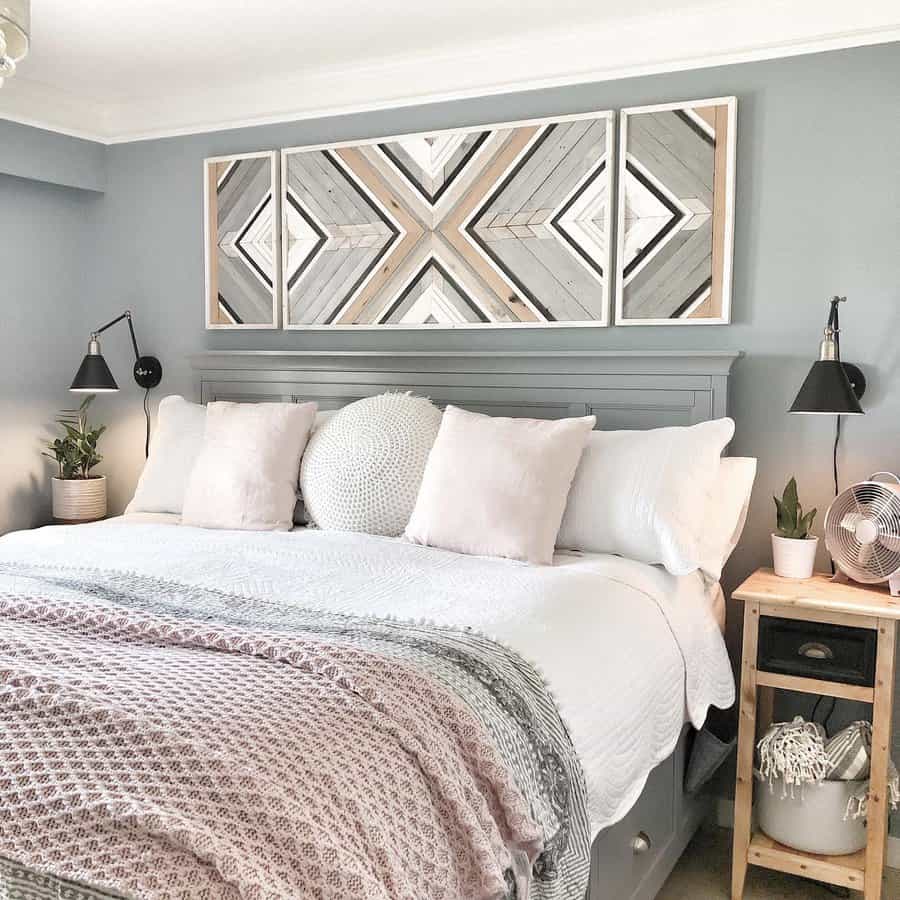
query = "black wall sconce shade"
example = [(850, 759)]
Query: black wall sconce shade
[(828, 389), (94, 377)]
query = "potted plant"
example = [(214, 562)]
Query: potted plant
[(78, 496), (793, 549)]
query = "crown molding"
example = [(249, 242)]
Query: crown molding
[(691, 39)]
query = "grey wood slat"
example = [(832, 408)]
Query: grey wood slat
[(695, 153), (659, 272), (678, 173), (245, 200), (316, 280), (669, 280), (583, 294), (335, 292), (299, 185), (572, 168), (242, 174), (674, 140), (251, 300), (538, 168), (549, 292), (365, 208), (343, 204)]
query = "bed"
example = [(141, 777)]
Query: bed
[(633, 656)]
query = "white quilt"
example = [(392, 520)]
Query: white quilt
[(628, 650)]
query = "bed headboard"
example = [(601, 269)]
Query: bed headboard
[(625, 389)]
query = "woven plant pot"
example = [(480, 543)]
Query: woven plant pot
[(78, 500)]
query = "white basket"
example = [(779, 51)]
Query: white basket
[(813, 819), (79, 499)]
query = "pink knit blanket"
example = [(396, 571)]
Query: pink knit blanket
[(156, 755)]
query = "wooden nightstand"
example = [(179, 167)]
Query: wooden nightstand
[(865, 674)]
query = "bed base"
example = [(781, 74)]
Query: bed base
[(632, 859)]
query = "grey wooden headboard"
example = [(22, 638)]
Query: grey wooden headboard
[(625, 389)]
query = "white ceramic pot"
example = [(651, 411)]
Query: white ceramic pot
[(812, 820), (79, 499), (794, 557)]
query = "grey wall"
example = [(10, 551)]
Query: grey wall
[(47, 245), (46, 156)]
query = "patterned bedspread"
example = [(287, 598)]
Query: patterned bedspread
[(159, 739)]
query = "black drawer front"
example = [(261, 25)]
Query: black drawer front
[(816, 650)]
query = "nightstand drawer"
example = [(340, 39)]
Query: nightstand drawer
[(817, 650)]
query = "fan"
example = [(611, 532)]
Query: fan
[(862, 532)]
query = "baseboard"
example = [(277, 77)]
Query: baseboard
[(723, 816)]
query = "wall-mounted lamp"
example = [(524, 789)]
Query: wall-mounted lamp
[(94, 377), (832, 386)]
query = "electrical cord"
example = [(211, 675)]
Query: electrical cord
[(147, 416)]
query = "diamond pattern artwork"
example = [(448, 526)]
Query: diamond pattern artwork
[(243, 268), (507, 225), (676, 213)]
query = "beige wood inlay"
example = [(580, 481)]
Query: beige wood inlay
[(478, 193), (212, 212), (363, 169), (712, 308)]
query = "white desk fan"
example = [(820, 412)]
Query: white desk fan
[(862, 532)]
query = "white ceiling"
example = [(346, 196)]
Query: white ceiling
[(125, 69)]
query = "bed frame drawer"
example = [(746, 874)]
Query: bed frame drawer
[(817, 650)]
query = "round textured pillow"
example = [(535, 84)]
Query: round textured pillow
[(362, 469)]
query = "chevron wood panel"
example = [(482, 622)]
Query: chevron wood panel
[(498, 226), (243, 268), (676, 213)]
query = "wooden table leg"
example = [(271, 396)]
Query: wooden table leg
[(765, 709), (743, 790), (881, 748)]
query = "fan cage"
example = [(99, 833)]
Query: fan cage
[(869, 510)]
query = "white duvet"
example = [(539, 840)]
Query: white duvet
[(628, 650)]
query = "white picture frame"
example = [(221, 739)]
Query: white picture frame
[(721, 212), (443, 260), (218, 313)]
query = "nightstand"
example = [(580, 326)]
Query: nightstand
[(787, 628)]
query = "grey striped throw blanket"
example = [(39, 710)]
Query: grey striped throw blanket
[(160, 740), (798, 753)]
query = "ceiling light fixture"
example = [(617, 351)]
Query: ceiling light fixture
[(15, 35)]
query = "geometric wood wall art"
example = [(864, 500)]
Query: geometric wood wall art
[(242, 227), (675, 220), (505, 225)]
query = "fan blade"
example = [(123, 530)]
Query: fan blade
[(865, 554), (890, 542), (849, 520)]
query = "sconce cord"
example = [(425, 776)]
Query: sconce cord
[(147, 417)]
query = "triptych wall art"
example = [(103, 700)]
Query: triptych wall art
[(502, 226)]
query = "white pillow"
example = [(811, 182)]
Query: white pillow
[(363, 467), (173, 451), (246, 474), (726, 513), (644, 494), (496, 486)]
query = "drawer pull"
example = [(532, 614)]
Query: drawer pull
[(641, 843), (814, 650)]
